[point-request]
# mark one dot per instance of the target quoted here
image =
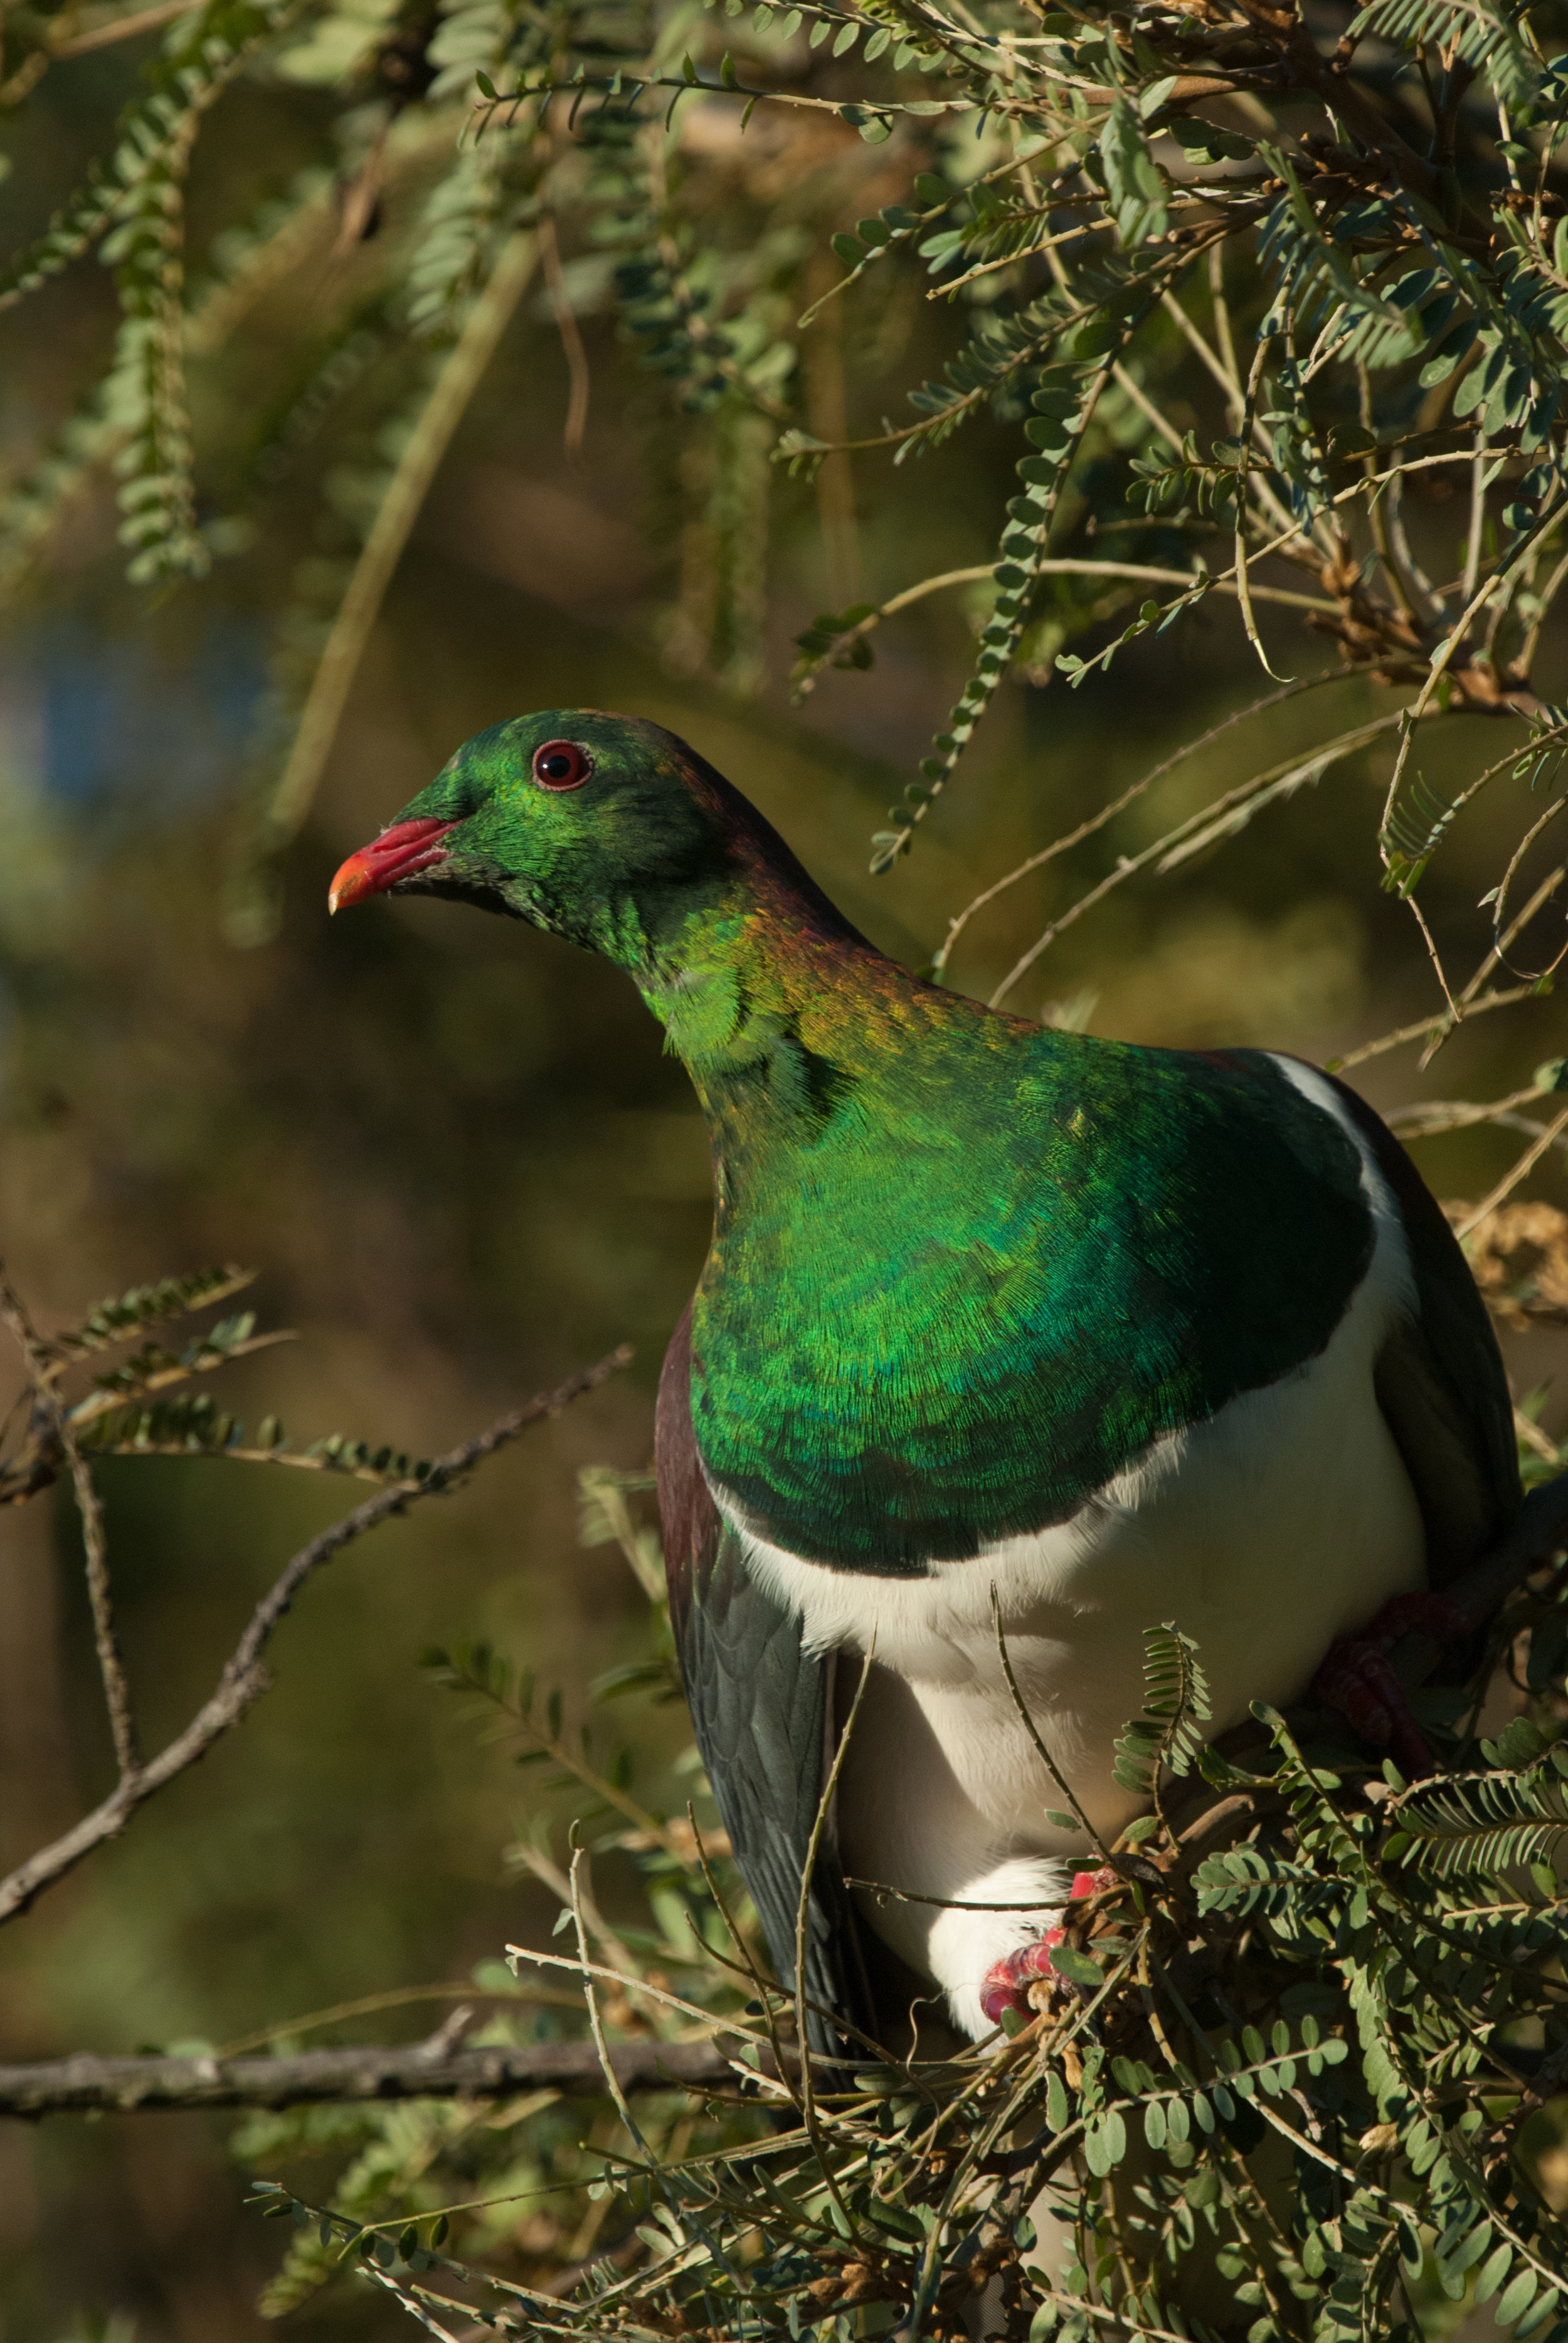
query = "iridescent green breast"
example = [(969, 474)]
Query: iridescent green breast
[(992, 1269)]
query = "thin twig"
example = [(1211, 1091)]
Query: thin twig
[(1440, 660), (596, 2022), (1129, 384), (407, 2298), (105, 1635), (1241, 557), (1534, 1438), (1052, 1767), (1427, 1028), (570, 332), (1224, 371), (759, 1989), (1510, 1179), (809, 2115), (1477, 516), (244, 1678), (1135, 573), (633, 1984), (548, 1874), (685, 2215), (1524, 658), (397, 1997), (1246, 798), (1222, 334), (880, 1888), (1426, 1119), (1102, 814), (1494, 957), (1535, 975)]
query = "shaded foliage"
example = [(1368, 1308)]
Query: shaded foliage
[(1286, 2081)]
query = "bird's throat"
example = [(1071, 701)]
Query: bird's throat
[(759, 1000)]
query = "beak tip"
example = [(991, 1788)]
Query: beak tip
[(348, 885), (400, 850)]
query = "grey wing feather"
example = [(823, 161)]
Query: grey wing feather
[(1439, 1378), (761, 1707)]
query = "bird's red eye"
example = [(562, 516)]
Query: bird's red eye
[(561, 765)]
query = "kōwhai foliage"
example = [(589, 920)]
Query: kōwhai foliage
[(1294, 310), (143, 1405)]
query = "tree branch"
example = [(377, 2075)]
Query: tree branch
[(1310, 70), (244, 1678), (414, 2070)]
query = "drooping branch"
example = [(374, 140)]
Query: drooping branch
[(453, 388), (244, 1678)]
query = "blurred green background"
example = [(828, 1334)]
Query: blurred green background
[(454, 1147)]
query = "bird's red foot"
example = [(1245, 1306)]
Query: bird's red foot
[(1007, 1981), (1358, 1680)]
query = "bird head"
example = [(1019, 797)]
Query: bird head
[(577, 821), (604, 829)]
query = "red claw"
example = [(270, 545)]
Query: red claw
[(1358, 1680), (1008, 1980)]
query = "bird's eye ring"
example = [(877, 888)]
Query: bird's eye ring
[(561, 765)]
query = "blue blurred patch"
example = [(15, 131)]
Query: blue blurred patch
[(160, 723)]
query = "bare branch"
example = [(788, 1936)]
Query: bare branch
[(105, 1635), (537, 1859), (124, 28), (1428, 1029), (1428, 1117), (412, 2071), (596, 2022), (244, 1679)]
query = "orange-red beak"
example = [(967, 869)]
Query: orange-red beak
[(397, 853)]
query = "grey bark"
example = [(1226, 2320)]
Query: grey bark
[(85, 2083)]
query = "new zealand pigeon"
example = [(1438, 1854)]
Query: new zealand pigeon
[(1128, 1334)]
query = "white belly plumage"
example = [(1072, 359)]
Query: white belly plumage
[(1285, 1520)]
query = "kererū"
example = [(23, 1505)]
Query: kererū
[(1128, 1334)]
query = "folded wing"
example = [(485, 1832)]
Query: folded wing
[(761, 1709), (1440, 1379)]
